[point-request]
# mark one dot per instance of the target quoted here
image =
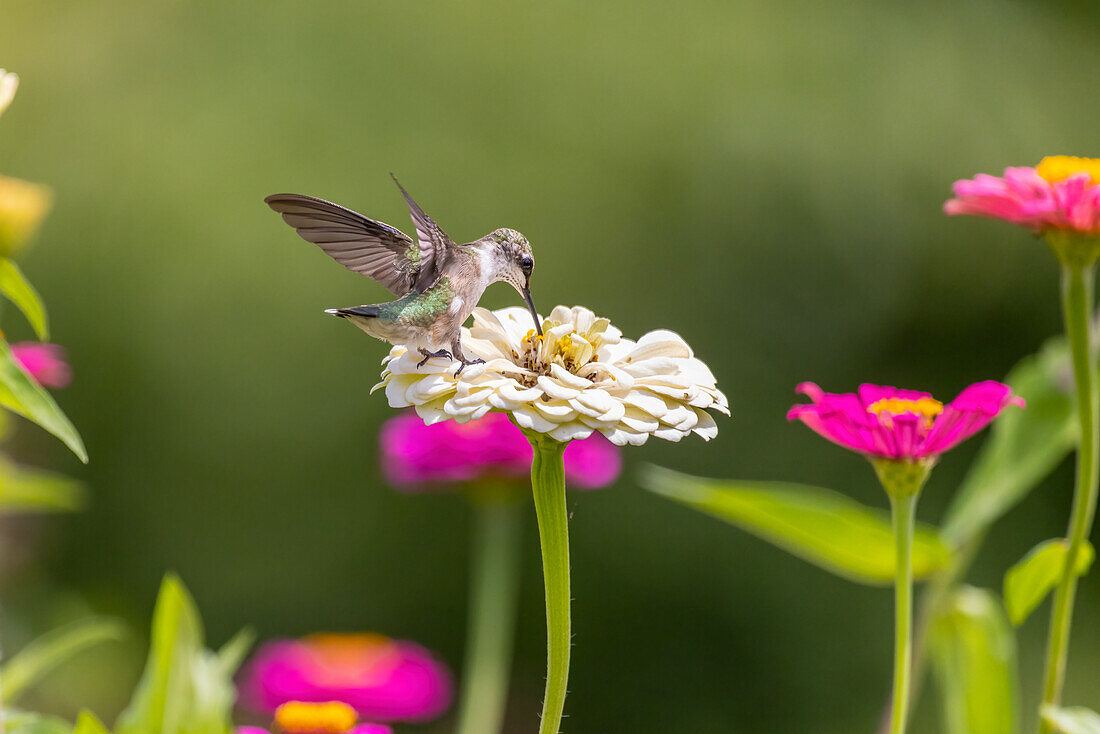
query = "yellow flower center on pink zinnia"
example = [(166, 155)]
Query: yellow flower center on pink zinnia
[(1056, 168), (298, 717), (885, 409)]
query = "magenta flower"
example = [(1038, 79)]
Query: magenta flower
[(43, 362), (901, 425), (1061, 194), (382, 679), (357, 729), (490, 447)]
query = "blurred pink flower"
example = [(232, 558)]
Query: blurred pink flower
[(357, 729), (381, 678), (44, 362), (901, 424), (1061, 193), (490, 447)]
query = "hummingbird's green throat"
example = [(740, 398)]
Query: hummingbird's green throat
[(438, 281)]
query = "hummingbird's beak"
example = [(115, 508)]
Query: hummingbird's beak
[(531, 305)]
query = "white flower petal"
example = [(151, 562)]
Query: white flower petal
[(661, 343), (556, 411), (431, 413), (669, 434), (622, 437), (706, 427), (557, 390), (532, 420), (570, 432), (566, 377)]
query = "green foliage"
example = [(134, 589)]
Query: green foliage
[(818, 525), (25, 396), (25, 722), (1024, 445), (34, 661), (185, 689), (974, 656), (1029, 581), (24, 488), (87, 723), (19, 291), (1076, 720)]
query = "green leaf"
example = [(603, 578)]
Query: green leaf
[(974, 657), (26, 722), (87, 723), (1031, 579), (1076, 720), (232, 653), (19, 392), (1023, 447), (19, 291), (818, 525), (34, 661), (25, 489), (185, 689)]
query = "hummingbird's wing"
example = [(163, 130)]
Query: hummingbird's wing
[(436, 247), (360, 244)]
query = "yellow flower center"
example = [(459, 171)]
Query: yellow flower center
[(297, 717), (885, 409), (1056, 168)]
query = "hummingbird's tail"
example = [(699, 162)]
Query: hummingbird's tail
[(350, 311)]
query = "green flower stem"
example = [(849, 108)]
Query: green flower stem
[(490, 628), (548, 484), (1077, 299), (937, 593), (903, 511), (903, 481)]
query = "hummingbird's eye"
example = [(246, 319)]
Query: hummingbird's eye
[(526, 264)]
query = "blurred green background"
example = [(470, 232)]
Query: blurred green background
[(763, 176)]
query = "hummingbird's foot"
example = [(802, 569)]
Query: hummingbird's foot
[(428, 355), (463, 364)]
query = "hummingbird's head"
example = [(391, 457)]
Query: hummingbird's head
[(510, 259)]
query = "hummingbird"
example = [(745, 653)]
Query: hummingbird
[(438, 282)]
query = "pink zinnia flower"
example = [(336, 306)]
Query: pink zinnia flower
[(357, 729), (490, 447), (43, 362), (382, 679), (1062, 194), (901, 425)]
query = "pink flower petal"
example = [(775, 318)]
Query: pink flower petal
[(382, 679), (45, 363), (415, 456), (970, 412), (846, 419), (1021, 196)]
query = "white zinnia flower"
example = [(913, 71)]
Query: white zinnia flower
[(580, 377), (8, 84)]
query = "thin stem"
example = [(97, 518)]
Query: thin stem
[(490, 629), (903, 511), (936, 594), (1077, 298), (548, 484)]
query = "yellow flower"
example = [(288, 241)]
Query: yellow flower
[(23, 205)]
